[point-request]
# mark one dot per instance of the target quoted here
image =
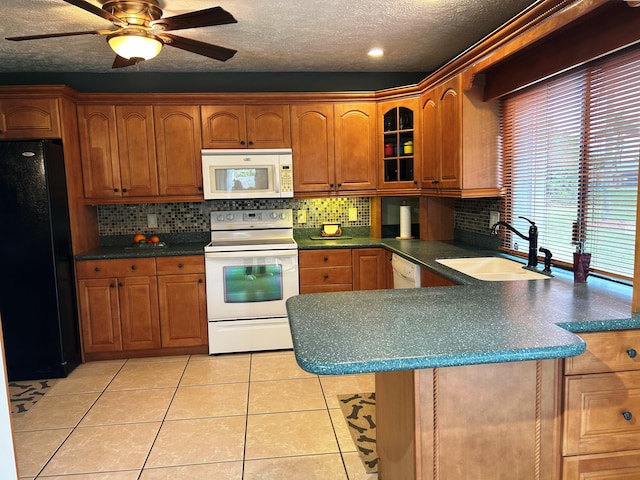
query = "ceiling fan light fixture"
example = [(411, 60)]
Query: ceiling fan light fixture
[(135, 44)]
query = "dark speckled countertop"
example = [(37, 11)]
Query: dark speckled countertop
[(472, 323), (116, 251)]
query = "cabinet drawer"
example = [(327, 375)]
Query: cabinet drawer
[(124, 267), (325, 276), (178, 265), (324, 258), (595, 411), (334, 287), (607, 352), (618, 466)]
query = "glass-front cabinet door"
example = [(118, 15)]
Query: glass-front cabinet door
[(399, 163)]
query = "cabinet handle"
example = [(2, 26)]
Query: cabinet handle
[(627, 415), (111, 285), (120, 284), (435, 182), (124, 190), (325, 277), (133, 267), (326, 259), (250, 142), (199, 280), (199, 189), (97, 269), (241, 142), (415, 182), (331, 185), (116, 190), (632, 353), (179, 265)]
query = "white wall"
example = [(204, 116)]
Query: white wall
[(8, 457)]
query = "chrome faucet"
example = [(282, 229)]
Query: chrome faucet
[(532, 239)]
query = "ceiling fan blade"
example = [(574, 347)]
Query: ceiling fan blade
[(121, 62), (207, 49), (53, 35), (201, 18), (91, 8)]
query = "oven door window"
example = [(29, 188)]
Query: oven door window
[(252, 283), (252, 179)]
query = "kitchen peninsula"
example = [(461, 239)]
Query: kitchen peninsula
[(469, 381)]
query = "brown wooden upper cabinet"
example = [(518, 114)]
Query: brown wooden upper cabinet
[(178, 149), (118, 151), (399, 167), (459, 141), (334, 147), (28, 118), (246, 126)]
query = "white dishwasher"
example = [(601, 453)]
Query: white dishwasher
[(406, 274)]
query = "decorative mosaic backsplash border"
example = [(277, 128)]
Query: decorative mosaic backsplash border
[(194, 216)]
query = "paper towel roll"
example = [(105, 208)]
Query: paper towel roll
[(405, 221)]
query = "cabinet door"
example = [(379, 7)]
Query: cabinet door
[(179, 145), (355, 142), (450, 115), (369, 269), (268, 126), (312, 130), (99, 315), (223, 126), (139, 319), (399, 149), (183, 310), (137, 150), (99, 150), (26, 118), (430, 141)]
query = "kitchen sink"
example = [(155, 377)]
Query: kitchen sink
[(491, 269)]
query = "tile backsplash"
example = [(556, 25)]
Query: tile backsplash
[(471, 215), (194, 216)]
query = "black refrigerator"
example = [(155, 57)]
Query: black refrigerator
[(37, 287)]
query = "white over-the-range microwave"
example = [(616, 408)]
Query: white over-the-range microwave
[(237, 174)]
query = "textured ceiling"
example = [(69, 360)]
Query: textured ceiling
[(270, 36)]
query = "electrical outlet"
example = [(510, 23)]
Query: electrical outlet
[(494, 217), (353, 214), (302, 216), (152, 220)]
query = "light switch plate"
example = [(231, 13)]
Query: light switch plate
[(152, 220), (302, 216), (353, 214), (494, 217)]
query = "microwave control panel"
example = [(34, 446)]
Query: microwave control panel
[(286, 179)]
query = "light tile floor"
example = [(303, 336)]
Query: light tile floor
[(230, 417)]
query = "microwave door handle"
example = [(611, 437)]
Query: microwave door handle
[(276, 179)]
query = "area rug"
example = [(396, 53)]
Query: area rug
[(24, 395), (359, 410)]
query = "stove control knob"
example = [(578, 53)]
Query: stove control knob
[(274, 214), (220, 218), (230, 216), (283, 215)]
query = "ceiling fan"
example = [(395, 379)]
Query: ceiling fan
[(141, 32)]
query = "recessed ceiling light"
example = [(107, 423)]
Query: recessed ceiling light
[(376, 52)]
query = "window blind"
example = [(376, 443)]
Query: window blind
[(570, 152)]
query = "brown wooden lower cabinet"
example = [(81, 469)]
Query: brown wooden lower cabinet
[(183, 303), (601, 434), (342, 269), (126, 309), (477, 422)]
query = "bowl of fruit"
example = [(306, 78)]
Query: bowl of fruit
[(142, 241)]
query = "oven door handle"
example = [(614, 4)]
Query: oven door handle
[(252, 254)]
